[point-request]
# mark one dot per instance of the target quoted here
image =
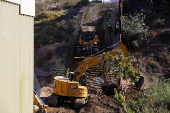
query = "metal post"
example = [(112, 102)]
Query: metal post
[(120, 19)]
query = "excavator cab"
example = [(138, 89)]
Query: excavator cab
[(71, 76), (82, 80)]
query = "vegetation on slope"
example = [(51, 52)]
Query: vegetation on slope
[(135, 31), (46, 27), (74, 3), (122, 66), (156, 99)]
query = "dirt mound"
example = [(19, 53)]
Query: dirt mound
[(100, 104), (96, 104)]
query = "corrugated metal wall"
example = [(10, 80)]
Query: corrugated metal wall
[(16, 60)]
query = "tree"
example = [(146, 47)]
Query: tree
[(122, 66)]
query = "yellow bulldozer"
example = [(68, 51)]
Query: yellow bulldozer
[(73, 88), (88, 43)]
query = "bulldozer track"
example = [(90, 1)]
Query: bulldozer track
[(98, 76), (92, 85)]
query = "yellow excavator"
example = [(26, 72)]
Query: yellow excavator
[(39, 103), (73, 88)]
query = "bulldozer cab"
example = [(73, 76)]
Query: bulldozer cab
[(88, 33), (88, 43)]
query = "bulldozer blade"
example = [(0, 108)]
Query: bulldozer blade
[(79, 58)]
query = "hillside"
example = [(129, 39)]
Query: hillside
[(54, 57)]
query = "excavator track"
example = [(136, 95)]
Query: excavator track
[(53, 100)]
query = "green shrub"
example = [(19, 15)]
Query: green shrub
[(38, 29), (133, 105), (70, 3), (155, 100), (158, 23), (136, 105), (47, 15), (119, 97), (83, 2), (75, 3), (159, 93), (162, 57), (46, 28), (167, 80), (59, 25), (47, 35), (49, 23), (60, 70), (129, 110), (134, 30)]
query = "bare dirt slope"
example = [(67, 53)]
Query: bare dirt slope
[(94, 11)]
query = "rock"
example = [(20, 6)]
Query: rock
[(35, 109)]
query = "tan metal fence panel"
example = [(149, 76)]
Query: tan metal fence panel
[(16, 60)]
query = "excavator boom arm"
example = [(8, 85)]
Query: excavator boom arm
[(97, 58), (39, 103)]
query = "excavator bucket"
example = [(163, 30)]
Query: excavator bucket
[(123, 48)]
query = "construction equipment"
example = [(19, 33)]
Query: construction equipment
[(39, 103), (73, 87), (88, 42)]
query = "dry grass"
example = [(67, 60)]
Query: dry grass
[(74, 3), (48, 15)]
